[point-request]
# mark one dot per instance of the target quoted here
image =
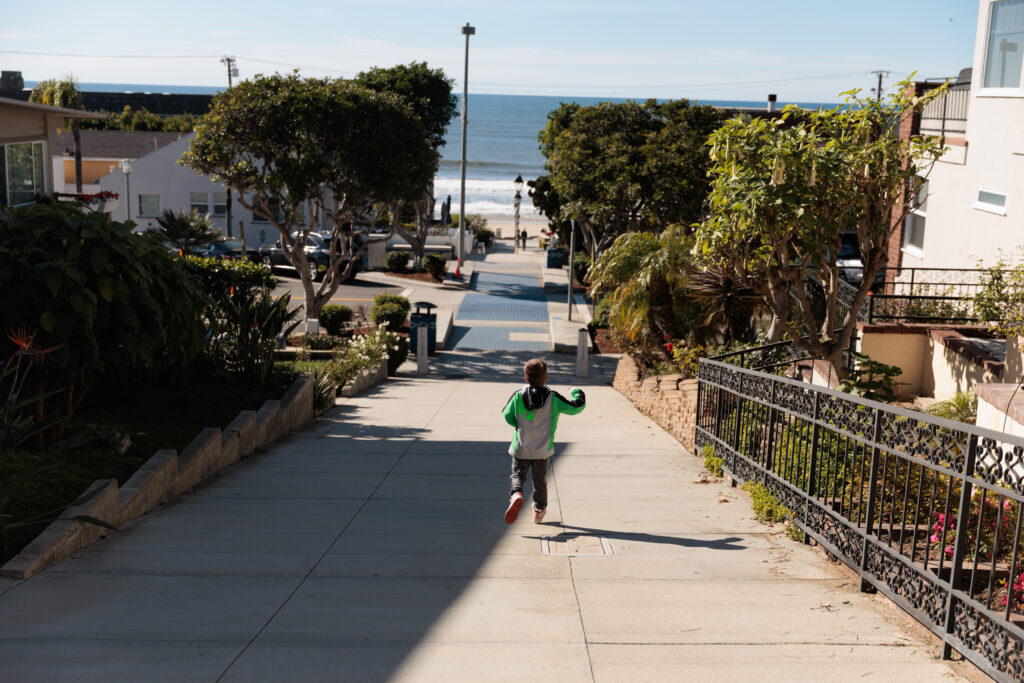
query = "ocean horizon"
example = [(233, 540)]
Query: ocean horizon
[(501, 140)]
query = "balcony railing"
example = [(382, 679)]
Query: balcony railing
[(923, 295), (927, 511), (946, 115)]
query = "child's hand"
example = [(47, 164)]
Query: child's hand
[(578, 396)]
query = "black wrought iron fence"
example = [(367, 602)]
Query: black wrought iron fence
[(923, 295), (927, 511)]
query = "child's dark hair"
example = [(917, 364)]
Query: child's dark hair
[(536, 372)]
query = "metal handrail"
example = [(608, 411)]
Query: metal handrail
[(927, 511)]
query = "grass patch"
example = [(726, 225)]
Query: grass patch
[(712, 463), (153, 417), (767, 507)]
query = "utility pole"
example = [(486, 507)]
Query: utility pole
[(230, 63), (467, 31), (878, 90)]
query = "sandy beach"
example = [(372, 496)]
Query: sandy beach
[(504, 226)]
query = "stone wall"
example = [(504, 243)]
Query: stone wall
[(669, 400), (105, 506)]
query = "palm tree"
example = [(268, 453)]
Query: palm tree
[(65, 94), (963, 407), (646, 274), (187, 229)]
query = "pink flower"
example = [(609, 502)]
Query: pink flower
[(935, 538)]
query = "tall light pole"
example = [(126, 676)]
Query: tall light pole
[(467, 31), (518, 182), (126, 168), (229, 62)]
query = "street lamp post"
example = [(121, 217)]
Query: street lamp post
[(519, 196), (467, 31), (230, 63), (126, 168)]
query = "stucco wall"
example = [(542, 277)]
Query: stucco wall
[(956, 234), (907, 349)]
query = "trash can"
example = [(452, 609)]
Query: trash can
[(555, 258), (423, 317)]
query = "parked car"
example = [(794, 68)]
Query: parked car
[(221, 249), (317, 255)]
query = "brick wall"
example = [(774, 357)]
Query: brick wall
[(669, 400)]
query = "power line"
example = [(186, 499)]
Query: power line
[(71, 54)]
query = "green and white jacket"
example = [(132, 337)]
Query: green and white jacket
[(534, 412)]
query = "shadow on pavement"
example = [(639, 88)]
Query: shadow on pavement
[(731, 543)]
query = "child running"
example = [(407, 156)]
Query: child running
[(533, 411)]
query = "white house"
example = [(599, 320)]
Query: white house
[(975, 194), (157, 182)]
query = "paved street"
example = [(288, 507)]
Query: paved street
[(372, 547), (355, 293)]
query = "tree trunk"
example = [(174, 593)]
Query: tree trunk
[(78, 155)]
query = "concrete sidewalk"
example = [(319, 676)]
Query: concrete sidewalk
[(372, 547)]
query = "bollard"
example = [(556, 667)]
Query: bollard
[(312, 326), (583, 354), (421, 350)]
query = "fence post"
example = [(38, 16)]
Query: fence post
[(876, 435), (421, 350), (960, 544), (912, 272), (583, 353), (736, 418), (769, 456)]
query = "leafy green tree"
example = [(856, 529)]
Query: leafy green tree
[(782, 194), (628, 167), (300, 152), (142, 120), (187, 229), (429, 93), (63, 93)]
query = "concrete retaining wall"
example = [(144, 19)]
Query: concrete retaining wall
[(166, 475), (669, 400)]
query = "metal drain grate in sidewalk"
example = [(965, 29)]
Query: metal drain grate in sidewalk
[(575, 544)]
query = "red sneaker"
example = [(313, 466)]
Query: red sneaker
[(514, 503), (538, 515)]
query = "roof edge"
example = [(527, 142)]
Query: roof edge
[(66, 113)]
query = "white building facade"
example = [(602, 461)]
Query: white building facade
[(975, 193)]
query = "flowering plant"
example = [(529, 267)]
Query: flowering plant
[(991, 512)]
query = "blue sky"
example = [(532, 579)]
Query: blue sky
[(740, 50)]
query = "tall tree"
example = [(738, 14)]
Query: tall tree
[(630, 166), (429, 93), (304, 152), (783, 194), (63, 93)]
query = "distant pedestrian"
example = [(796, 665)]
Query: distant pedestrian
[(522, 237), (533, 411)]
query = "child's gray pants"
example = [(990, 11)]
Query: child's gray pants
[(539, 467)]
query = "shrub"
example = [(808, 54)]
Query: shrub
[(485, 236), (436, 265), (871, 379), (388, 298), (245, 338), (222, 278), (333, 318), (712, 463), (322, 342), (114, 306), (767, 507), (1000, 299), (580, 266), (391, 314), (397, 261), (397, 348), (324, 388)]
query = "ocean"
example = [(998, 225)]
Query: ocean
[(501, 143)]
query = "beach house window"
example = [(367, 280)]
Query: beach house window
[(149, 205), (22, 170), (1004, 54), (991, 200), (198, 201), (913, 224), (220, 203)]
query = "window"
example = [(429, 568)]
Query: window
[(199, 201), (22, 172), (275, 209), (149, 205), (1005, 52), (220, 203), (991, 200), (913, 224)]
